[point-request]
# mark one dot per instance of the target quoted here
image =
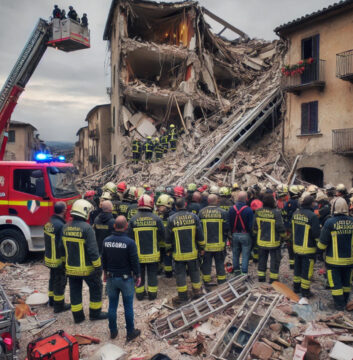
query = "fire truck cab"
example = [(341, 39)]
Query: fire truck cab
[(28, 192)]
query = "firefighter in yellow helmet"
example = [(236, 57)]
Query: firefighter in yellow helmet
[(158, 149), (184, 238), (235, 191), (337, 240), (82, 262), (215, 224), (270, 232), (136, 151), (305, 233), (164, 210), (225, 202), (172, 137), (148, 149), (148, 232)]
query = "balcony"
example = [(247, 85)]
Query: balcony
[(344, 65), (93, 159), (93, 134), (342, 141), (312, 77)]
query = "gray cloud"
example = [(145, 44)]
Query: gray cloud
[(65, 86)]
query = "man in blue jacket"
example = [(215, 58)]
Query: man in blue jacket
[(240, 222), (122, 271)]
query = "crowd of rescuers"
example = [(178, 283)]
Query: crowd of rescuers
[(127, 236), (155, 148), (72, 14)]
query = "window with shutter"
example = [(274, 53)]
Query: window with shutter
[(310, 118)]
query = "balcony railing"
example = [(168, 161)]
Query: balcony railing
[(94, 134), (342, 141), (312, 77), (344, 65)]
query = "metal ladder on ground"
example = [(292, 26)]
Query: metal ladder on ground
[(242, 332), (181, 319), (240, 132), (18, 72)]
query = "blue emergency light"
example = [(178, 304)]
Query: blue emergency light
[(61, 158), (42, 157)]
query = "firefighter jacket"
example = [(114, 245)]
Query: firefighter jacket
[(81, 249), (194, 207), (103, 226), (136, 147), (289, 208), (305, 231), (215, 227), (164, 140), (173, 135), (123, 208), (184, 236), (225, 203), (269, 228), (165, 216), (158, 148), (116, 204), (337, 238), (148, 231), (53, 255), (148, 146), (131, 211)]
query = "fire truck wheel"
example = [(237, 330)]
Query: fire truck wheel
[(13, 246)]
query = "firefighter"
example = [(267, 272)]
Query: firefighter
[(312, 190), (158, 149), (282, 197), (341, 191), (194, 205), (136, 151), (184, 238), (172, 138), (54, 258), (337, 239), (225, 203), (84, 20), (104, 223), (110, 193), (164, 140), (148, 149), (128, 199), (72, 14), (132, 209), (269, 231), (82, 262), (235, 191), (63, 14), (289, 208), (214, 190), (164, 210), (305, 233), (120, 189), (56, 12), (324, 207), (215, 226), (148, 231)]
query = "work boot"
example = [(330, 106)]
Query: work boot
[(51, 301), (102, 315), (140, 296), (79, 316), (61, 308), (291, 266), (180, 300), (346, 297), (133, 335), (262, 279), (196, 294), (152, 296), (236, 272), (307, 293), (113, 334), (169, 274), (296, 288)]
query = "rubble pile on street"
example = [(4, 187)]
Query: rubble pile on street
[(264, 322)]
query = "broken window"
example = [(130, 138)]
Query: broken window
[(312, 175), (309, 118)]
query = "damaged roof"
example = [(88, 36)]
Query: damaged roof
[(108, 27), (332, 10)]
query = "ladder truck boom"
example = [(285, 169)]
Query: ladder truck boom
[(66, 35)]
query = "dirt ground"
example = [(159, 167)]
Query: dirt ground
[(33, 276)]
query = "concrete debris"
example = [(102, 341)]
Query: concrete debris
[(37, 299), (109, 352), (341, 352)]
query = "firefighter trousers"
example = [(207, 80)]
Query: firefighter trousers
[(136, 157), (206, 267), (167, 261), (180, 275), (94, 283), (159, 156), (57, 284), (340, 281), (148, 156), (173, 145), (275, 261), (151, 269), (303, 272), (290, 251)]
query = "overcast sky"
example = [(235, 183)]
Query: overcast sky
[(65, 86)]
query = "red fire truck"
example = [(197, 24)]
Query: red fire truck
[(29, 189)]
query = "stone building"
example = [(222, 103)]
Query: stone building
[(318, 80)]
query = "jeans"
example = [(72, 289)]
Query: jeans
[(126, 287), (241, 244)]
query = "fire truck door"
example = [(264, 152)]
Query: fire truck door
[(28, 196)]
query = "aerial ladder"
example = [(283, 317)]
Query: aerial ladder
[(66, 35)]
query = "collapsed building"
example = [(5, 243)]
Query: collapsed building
[(168, 67)]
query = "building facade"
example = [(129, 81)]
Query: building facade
[(81, 151), (23, 142), (317, 79)]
